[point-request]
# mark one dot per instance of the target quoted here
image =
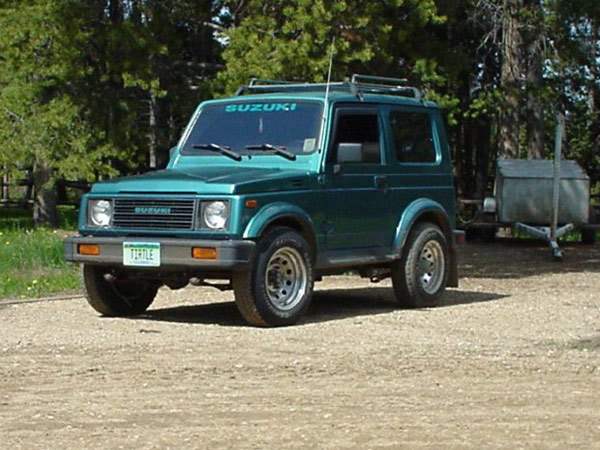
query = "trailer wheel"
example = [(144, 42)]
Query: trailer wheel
[(489, 233), (588, 237), (419, 277)]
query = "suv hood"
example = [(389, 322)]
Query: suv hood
[(207, 180)]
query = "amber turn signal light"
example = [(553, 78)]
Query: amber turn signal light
[(204, 253), (251, 204), (88, 249)]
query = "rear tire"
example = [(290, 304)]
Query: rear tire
[(277, 290), (420, 276), (119, 298)]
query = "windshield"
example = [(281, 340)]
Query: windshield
[(289, 125)]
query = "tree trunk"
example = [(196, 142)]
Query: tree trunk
[(61, 191), (535, 106), (468, 171), (593, 91), (5, 190), (44, 204), (483, 158), (508, 140), (535, 115), (458, 160), (594, 115), (152, 131), (114, 11), (29, 187)]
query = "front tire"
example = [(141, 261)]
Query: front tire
[(277, 290), (420, 276), (118, 298)]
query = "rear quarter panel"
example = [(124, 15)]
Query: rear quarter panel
[(420, 187)]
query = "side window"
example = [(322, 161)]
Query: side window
[(357, 138), (413, 139)]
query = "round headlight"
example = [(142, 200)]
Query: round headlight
[(100, 212), (215, 215)]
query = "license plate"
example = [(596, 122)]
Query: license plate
[(145, 254)]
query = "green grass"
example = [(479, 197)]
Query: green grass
[(12, 218), (31, 260)]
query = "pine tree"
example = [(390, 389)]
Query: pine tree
[(41, 126), (292, 39)]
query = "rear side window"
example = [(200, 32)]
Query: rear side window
[(413, 138)]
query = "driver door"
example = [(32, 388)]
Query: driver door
[(357, 194)]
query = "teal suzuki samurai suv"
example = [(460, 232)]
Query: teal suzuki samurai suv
[(275, 188)]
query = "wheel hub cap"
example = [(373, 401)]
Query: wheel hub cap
[(286, 278), (432, 266)]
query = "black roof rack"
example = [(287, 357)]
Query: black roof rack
[(263, 82), (357, 85)]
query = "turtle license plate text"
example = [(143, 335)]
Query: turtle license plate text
[(144, 254)]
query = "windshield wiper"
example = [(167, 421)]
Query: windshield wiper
[(281, 151), (219, 148)]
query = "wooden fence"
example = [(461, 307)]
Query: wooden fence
[(21, 191)]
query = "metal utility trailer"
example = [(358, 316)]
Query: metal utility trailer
[(544, 198), (523, 192), (524, 199)]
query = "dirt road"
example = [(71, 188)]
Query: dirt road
[(510, 359)]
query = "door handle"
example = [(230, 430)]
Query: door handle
[(381, 182)]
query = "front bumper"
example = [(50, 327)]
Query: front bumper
[(175, 253)]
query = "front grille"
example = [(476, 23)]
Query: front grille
[(153, 214)]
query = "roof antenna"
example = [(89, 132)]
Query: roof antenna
[(328, 79), (330, 67)]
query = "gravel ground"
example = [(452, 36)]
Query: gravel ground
[(510, 359)]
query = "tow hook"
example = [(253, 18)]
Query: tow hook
[(109, 277)]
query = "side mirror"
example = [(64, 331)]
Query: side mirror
[(349, 153), (171, 151)]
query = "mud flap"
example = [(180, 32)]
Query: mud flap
[(453, 269), (458, 238)]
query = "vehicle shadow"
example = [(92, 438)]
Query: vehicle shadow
[(508, 258), (327, 305), (336, 304), (221, 313)]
